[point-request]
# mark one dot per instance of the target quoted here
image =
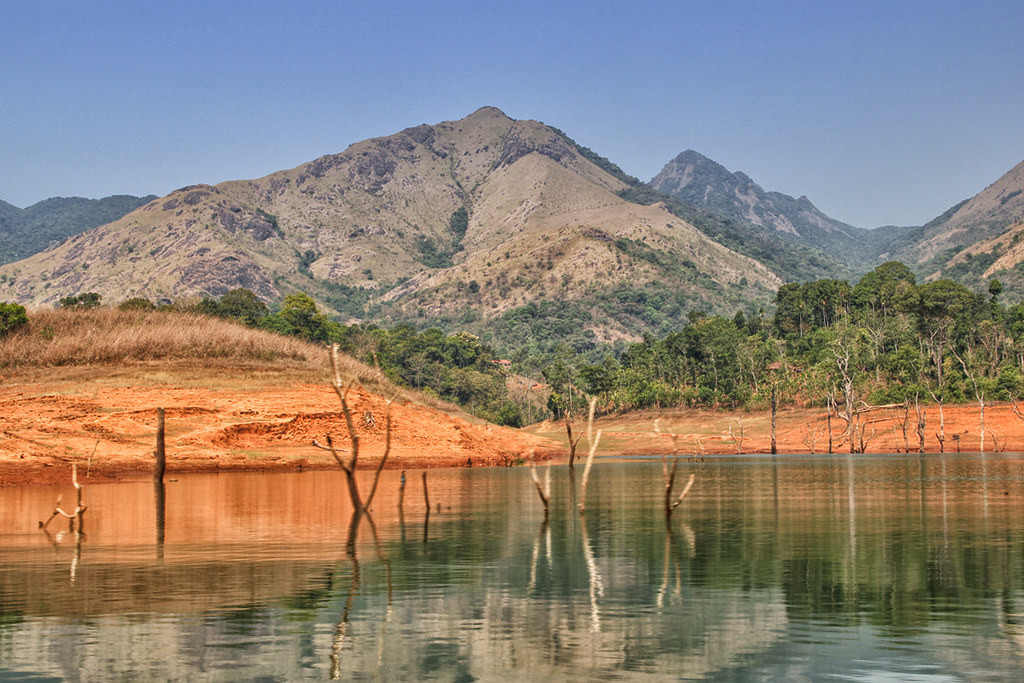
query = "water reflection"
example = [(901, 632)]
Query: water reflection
[(782, 567)]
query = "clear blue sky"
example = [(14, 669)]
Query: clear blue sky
[(880, 112)]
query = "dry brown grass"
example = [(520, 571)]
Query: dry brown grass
[(113, 341), (102, 336)]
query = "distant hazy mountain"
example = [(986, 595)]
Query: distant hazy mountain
[(696, 179), (460, 220), (693, 178), (24, 232)]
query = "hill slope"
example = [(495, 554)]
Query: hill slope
[(695, 179), (24, 232), (975, 240), (235, 398), (464, 218)]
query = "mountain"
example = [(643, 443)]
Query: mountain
[(697, 180), (974, 241), (24, 232), (462, 220)]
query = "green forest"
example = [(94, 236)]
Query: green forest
[(885, 340)]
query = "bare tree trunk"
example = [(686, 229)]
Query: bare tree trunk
[(426, 494), (572, 443), (736, 434), (161, 457), (830, 403), (543, 491), (349, 466), (920, 423), (979, 394), (79, 507)]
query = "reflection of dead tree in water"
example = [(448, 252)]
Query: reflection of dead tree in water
[(79, 508), (349, 465), (543, 491), (545, 535), (668, 475), (593, 441), (341, 630), (596, 582), (671, 561), (670, 479), (72, 517)]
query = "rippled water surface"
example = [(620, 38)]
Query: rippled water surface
[(848, 568)]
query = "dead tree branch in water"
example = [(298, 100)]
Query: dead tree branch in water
[(668, 476), (544, 491), (349, 466), (670, 506), (590, 457), (79, 508), (572, 444)]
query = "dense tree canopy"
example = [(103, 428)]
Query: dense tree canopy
[(884, 340)]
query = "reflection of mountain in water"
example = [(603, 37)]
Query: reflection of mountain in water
[(768, 566)]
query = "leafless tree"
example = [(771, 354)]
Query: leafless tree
[(810, 436), (736, 434), (348, 465)]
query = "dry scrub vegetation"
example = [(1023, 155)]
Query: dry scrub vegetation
[(106, 337), (84, 387), (55, 338)]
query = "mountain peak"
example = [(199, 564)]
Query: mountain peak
[(489, 112), (696, 179)]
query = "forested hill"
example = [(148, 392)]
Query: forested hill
[(851, 349), (886, 341), (787, 222), (24, 232)]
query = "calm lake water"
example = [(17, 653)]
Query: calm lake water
[(849, 568)]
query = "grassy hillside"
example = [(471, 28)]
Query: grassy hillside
[(172, 346)]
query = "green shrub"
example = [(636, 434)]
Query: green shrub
[(86, 300), (12, 316), (136, 303)]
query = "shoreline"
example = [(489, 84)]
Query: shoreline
[(227, 421)]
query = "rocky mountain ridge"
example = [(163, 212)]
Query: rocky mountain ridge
[(376, 223), (696, 179), (462, 221)]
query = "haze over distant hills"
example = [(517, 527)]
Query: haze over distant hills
[(24, 232), (697, 180), (462, 221)]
